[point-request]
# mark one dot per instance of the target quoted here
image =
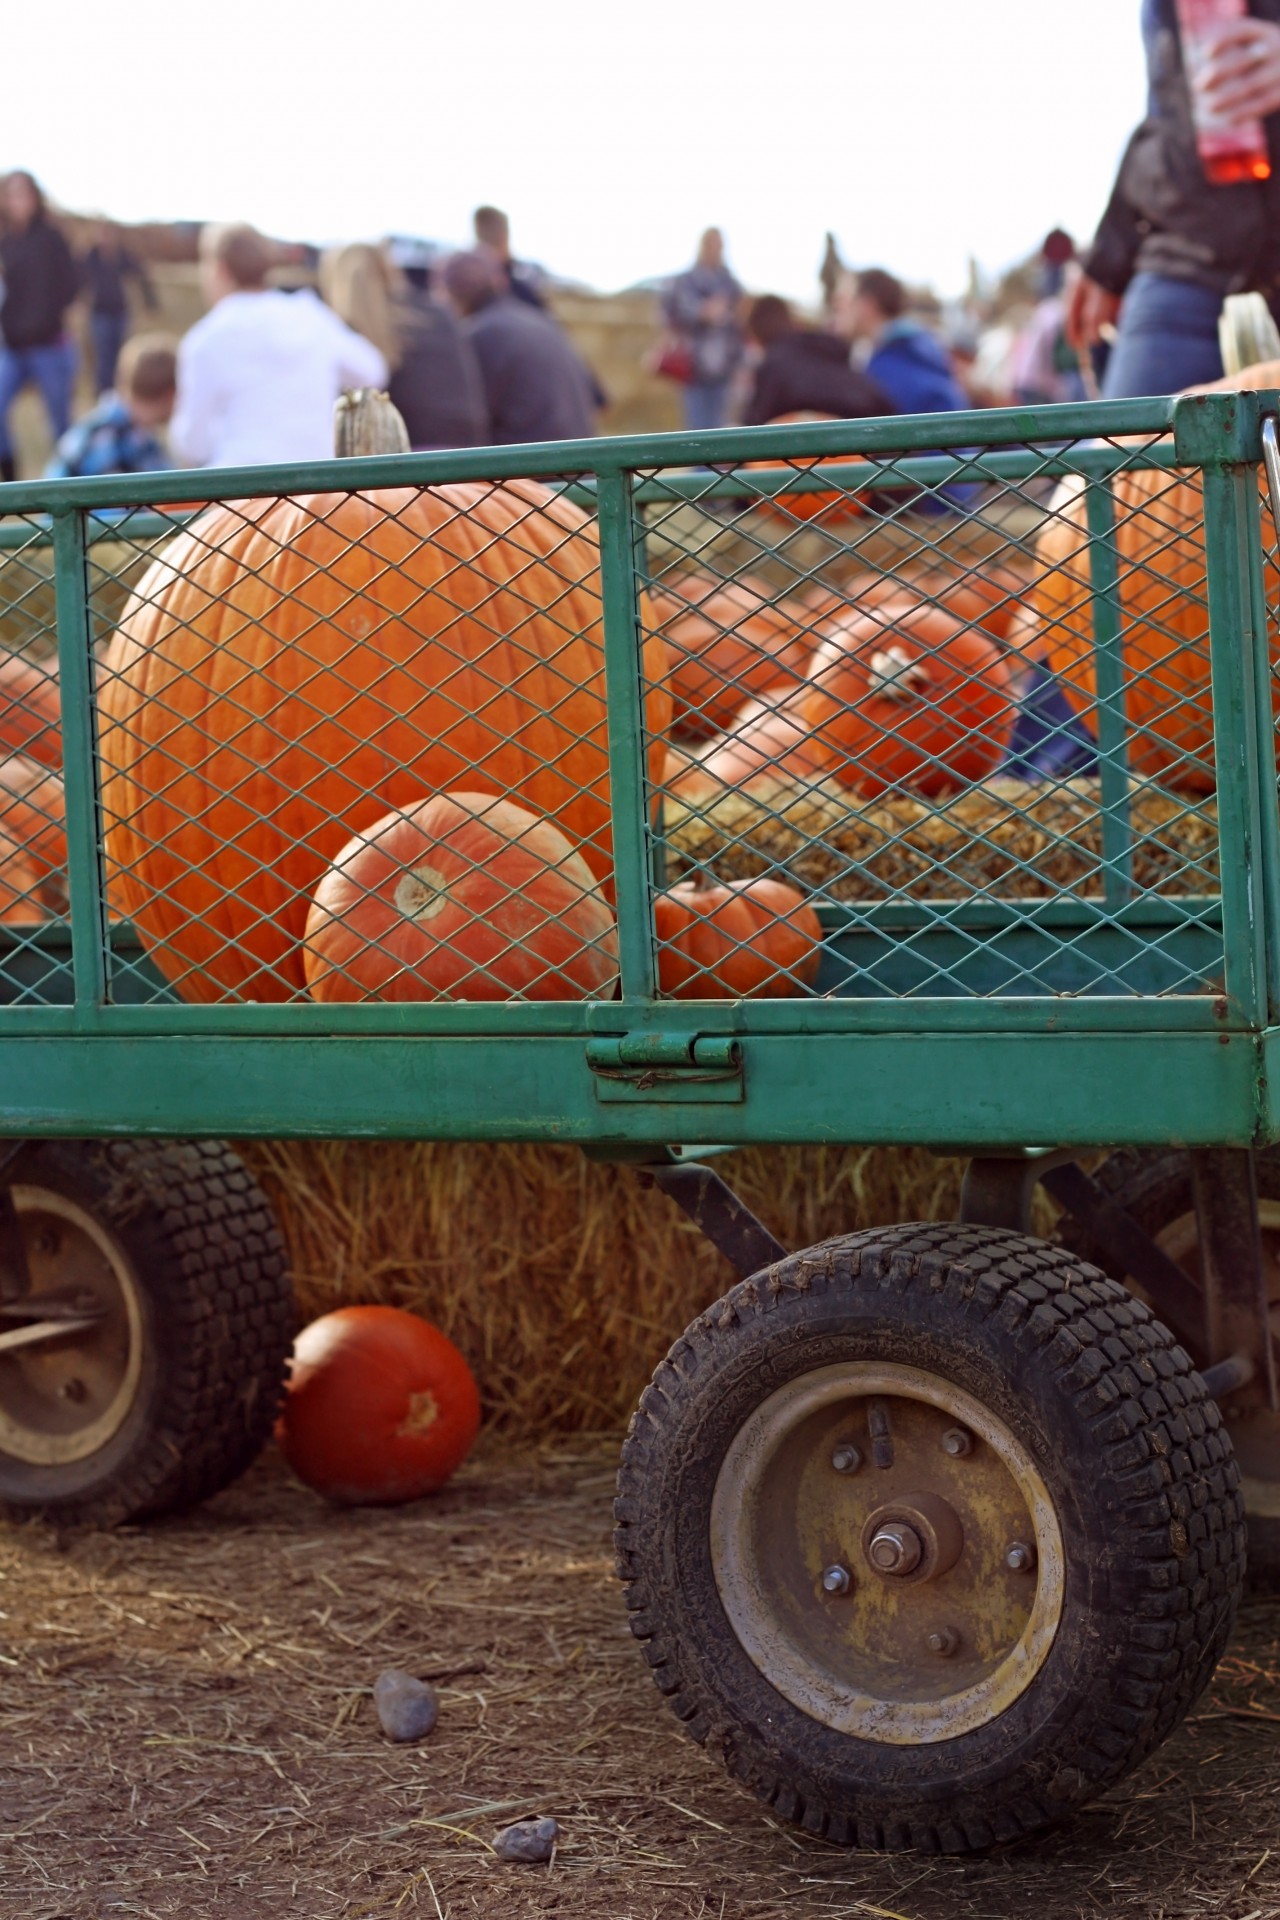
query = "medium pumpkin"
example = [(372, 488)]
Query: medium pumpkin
[(30, 708), (726, 643), (768, 739), (1163, 591), (381, 1407), (464, 897), (993, 599), (832, 509), (908, 697), (735, 940), (290, 669), (33, 812)]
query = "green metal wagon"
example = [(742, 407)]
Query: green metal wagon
[(930, 1532)]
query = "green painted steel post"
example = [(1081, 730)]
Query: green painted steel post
[(1264, 701), (628, 782), (85, 876), (1232, 647), (1112, 724)]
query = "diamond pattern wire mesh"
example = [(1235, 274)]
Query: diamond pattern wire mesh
[(354, 746), (965, 826)]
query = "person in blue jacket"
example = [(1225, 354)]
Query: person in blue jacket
[(906, 361)]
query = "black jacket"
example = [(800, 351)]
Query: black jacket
[(536, 386), (103, 276), (437, 386), (804, 372), (39, 285), (1163, 215)]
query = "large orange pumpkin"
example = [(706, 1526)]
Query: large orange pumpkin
[(290, 669), (726, 644), (992, 599), (908, 697), (832, 509), (1164, 607), (30, 708), (381, 1407), (735, 940), (463, 897)]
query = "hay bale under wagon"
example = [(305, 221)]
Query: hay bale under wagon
[(563, 1281)]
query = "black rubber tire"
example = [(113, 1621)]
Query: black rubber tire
[(1153, 1185), (1131, 1449), (218, 1324)]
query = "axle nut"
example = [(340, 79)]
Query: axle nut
[(895, 1548)]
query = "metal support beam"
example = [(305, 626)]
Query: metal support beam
[(1176, 1299), (1236, 1309), (717, 1212)]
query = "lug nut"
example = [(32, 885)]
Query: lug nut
[(1019, 1557), (846, 1459), (895, 1548), (943, 1641), (836, 1580), (957, 1443)]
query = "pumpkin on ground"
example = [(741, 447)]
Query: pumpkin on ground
[(908, 697), (290, 669), (1163, 591), (30, 708), (726, 644), (381, 1407), (987, 595), (735, 940), (464, 897)]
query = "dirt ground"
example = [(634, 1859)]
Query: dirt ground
[(186, 1728)]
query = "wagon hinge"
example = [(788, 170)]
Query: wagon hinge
[(667, 1066)]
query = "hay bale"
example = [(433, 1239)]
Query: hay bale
[(562, 1281), (1005, 837)]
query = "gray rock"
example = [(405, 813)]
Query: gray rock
[(528, 1840), (407, 1707)]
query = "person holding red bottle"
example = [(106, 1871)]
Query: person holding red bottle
[(1195, 211)]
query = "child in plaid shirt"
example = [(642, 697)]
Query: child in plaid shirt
[(118, 435)]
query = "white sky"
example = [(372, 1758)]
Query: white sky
[(920, 131)]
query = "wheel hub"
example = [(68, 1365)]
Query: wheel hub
[(882, 1601)]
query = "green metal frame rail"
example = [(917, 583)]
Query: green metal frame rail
[(980, 1070)]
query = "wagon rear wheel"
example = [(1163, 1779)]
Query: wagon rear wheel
[(930, 1533), (1154, 1187), (145, 1321)]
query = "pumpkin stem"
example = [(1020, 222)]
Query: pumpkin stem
[(365, 422)]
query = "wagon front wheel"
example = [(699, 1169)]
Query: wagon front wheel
[(931, 1533)]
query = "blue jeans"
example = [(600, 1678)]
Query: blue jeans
[(706, 402), (52, 369), (108, 331), (1167, 339)]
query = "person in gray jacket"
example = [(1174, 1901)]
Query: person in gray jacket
[(536, 385)]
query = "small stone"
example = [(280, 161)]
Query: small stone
[(527, 1840), (407, 1707)]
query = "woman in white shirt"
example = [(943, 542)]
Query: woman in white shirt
[(258, 376)]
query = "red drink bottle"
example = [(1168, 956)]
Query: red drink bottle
[(1229, 151)]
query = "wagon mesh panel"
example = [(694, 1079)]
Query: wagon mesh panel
[(281, 684)]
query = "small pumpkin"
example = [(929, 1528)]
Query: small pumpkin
[(463, 897), (735, 940), (380, 1408), (726, 643), (908, 697), (30, 708)]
